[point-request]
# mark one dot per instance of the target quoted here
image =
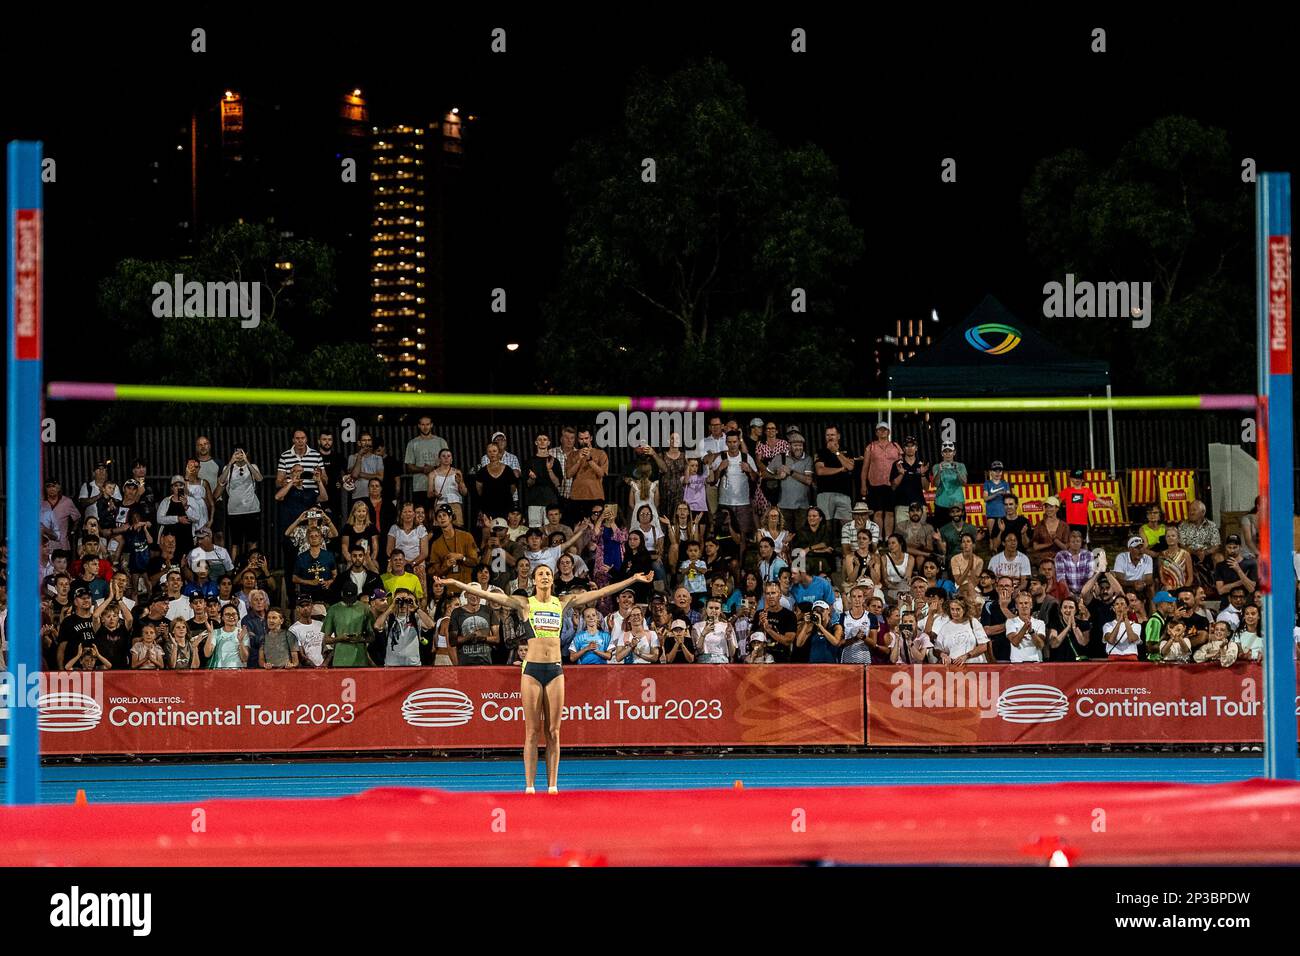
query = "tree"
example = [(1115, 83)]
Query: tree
[(686, 282), (281, 351), (1171, 209)]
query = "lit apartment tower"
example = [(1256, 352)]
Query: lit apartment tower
[(399, 260), (910, 336)]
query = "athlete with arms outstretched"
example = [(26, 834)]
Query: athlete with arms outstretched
[(542, 680)]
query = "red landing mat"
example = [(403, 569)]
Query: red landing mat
[(1254, 822)]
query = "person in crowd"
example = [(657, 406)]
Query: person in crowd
[(147, 652), (770, 451), (696, 489), (1231, 573), (180, 515), (200, 491), (862, 521), (349, 629), (452, 553), (403, 626), (1248, 636), (876, 487), (922, 540), (835, 479), (307, 634), (279, 645), (1122, 635), (679, 531), (1250, 541), (58, 514), (1135, 568), (816, 542), (895, 568), (996, 489), (948, 479), (359, 532), (421, 460), (1076, 498), (1068, 642), (411, 538), (713, 637), (383, 513), (1052, 534), (227, 646), (1176, 648), (957, 638), (1154, 531), (735, 473), (1175, 561), (1075, 566), (1155, 630), (1026, 634), (1200, 536), (774, 529)]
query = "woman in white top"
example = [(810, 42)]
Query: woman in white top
[(1252, 645), (447, 487), (651, 532), (199, 492), (896, 567), (644, 492), (959, 638), (411, 538), (1121, 637), (714, 638), (858, 625), (644, 642), (774, 529), (238, 482)]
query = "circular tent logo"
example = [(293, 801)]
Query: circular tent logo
[(992, 338), (66, 711), (437, 707), (1033, 704)]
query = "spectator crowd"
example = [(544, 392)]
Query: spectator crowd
[(766, 546)]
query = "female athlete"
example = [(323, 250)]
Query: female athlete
[(542, 681)]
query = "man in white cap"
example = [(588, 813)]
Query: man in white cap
[(1134, 567), (877, 470)]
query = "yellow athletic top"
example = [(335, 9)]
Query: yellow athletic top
[(546, 617)]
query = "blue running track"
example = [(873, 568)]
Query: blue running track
[(175, 782)]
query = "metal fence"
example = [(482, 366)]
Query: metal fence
[(1022, 441)]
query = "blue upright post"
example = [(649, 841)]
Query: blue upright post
[(23, 475), (1273, 246)]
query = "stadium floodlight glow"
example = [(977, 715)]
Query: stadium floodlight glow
[(107, 391)]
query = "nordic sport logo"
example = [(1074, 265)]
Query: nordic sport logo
[(981, 336)]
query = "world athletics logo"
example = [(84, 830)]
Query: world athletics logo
[(975, 338)]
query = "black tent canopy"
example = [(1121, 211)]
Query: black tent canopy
[(994, 353)]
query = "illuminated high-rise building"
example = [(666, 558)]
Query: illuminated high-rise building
[(399, 256), (411, 167)]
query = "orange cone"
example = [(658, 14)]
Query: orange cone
[(81, 800), (738, 784)]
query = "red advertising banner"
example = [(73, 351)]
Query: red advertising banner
[(1106, 702), (260, 711)]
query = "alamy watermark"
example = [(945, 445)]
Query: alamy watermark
[(179, 299), (1098, 300), (635, 429)]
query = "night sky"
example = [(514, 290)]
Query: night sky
[(886, 99)]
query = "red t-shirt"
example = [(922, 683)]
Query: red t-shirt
[(1076, 504)]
